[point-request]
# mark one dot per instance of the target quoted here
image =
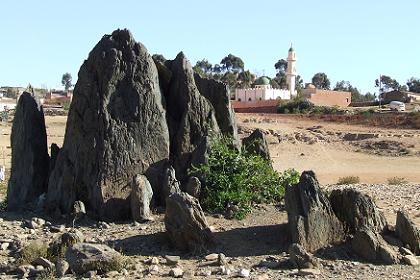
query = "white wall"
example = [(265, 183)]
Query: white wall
[(256, 94)]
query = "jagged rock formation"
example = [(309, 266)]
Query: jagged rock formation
[(311, 219), (170, 184), (356, 211), (186, 224), (191, 117), (407, 231), (30, 161), (131, 115), (256, 143), (116, 129)]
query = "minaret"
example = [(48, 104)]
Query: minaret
[(291, 71)]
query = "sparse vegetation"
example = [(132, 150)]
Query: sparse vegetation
[(48, 274), (296, 106), (397, 181), (239, 179), (348, 180), (118, 263), (32, 251)]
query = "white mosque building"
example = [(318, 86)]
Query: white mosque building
[(262, 89)]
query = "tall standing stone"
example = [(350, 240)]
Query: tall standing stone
[(256, 143), (30, 161), (191, 117), (116, 129)]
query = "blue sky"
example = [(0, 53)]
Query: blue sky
[(348, 40)]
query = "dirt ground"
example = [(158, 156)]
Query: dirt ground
[(335, 150)]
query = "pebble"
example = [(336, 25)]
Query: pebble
[(153, 269), (61, 267), (176, 272), (211, 257), (205, 272), (244, 273), (410, 260), (224, 270), (404, 251), (4, 246), (308, 272), (172, 260)]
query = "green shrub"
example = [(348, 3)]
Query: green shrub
[(348, 180), (239, 178), (397, 181), (295, 106)]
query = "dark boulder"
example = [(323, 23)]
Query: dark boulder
[(407, 231), (356, 211), (311, 219), (170, 184), (116, 129), (256, 143), (186, 224), (30, 160)]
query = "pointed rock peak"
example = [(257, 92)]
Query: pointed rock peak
[(121, 35), (308, 178)]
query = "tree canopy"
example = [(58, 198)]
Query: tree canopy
[(232, 63), (386, 83), (321, 81), (66, 81), (413, 85), (356, 96)]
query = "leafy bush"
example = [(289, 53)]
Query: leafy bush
[(240, 179), (397, 181), (348, 180), (295, 106)]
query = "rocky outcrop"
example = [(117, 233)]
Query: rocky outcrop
[(140, 198), (116, 129), (30, 161), (186, 224), (356, 211), (256, 143), (407, 232), (84, 257), (311, 219), (372, 247), (132, 115)]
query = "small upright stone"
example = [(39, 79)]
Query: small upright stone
[(256, 143), (193, 187), (186, 224), (141, 196), (407, 231), (176, 272)]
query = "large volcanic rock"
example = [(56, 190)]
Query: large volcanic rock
[(311, 219), (191, 117), (116, 129), (357, 211), (30, 161)]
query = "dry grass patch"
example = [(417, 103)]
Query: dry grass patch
[(397, 181), (348, 180)]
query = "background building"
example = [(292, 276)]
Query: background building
[(262, 90), (321, 97)]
